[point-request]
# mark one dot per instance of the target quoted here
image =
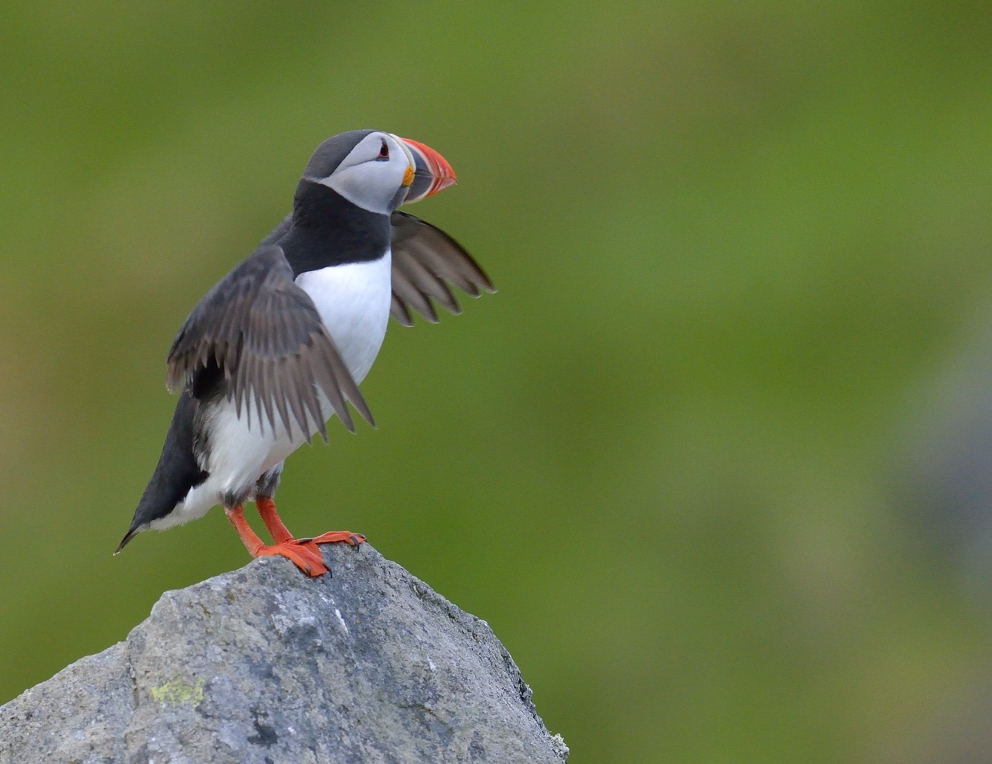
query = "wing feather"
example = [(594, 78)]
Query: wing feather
[(265, 333), (398, 310), (425, 261), (405, 291)]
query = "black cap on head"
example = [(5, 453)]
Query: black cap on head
[(332, 152)]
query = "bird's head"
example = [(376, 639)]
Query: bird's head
[(378, 171)]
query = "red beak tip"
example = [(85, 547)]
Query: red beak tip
[(444, 175)]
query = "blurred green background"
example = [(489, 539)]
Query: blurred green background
[(740, 248)]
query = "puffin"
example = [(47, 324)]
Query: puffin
[(280, 345)]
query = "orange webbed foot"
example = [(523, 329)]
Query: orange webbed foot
[(303, 554), (334, 537)]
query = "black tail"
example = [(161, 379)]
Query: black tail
[(176, 474)]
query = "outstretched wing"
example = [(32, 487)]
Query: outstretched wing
[(425, 261), (264, 334)]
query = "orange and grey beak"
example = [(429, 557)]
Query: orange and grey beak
[(430, 171)]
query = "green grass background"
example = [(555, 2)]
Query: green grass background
[(735, 244)]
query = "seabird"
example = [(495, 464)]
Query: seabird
[(277, 347)]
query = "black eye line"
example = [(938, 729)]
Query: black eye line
[(383, 153)]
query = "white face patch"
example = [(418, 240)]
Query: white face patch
[(372, 174)]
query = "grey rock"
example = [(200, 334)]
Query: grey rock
[(265, 665)]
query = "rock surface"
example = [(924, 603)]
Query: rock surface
[(265, 665)]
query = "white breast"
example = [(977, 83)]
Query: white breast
[(353, 302)]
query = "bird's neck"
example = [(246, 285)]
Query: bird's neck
[(330, 230)]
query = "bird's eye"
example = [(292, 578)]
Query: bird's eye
[(384, 151)]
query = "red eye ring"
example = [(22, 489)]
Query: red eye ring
[(384, 151)]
